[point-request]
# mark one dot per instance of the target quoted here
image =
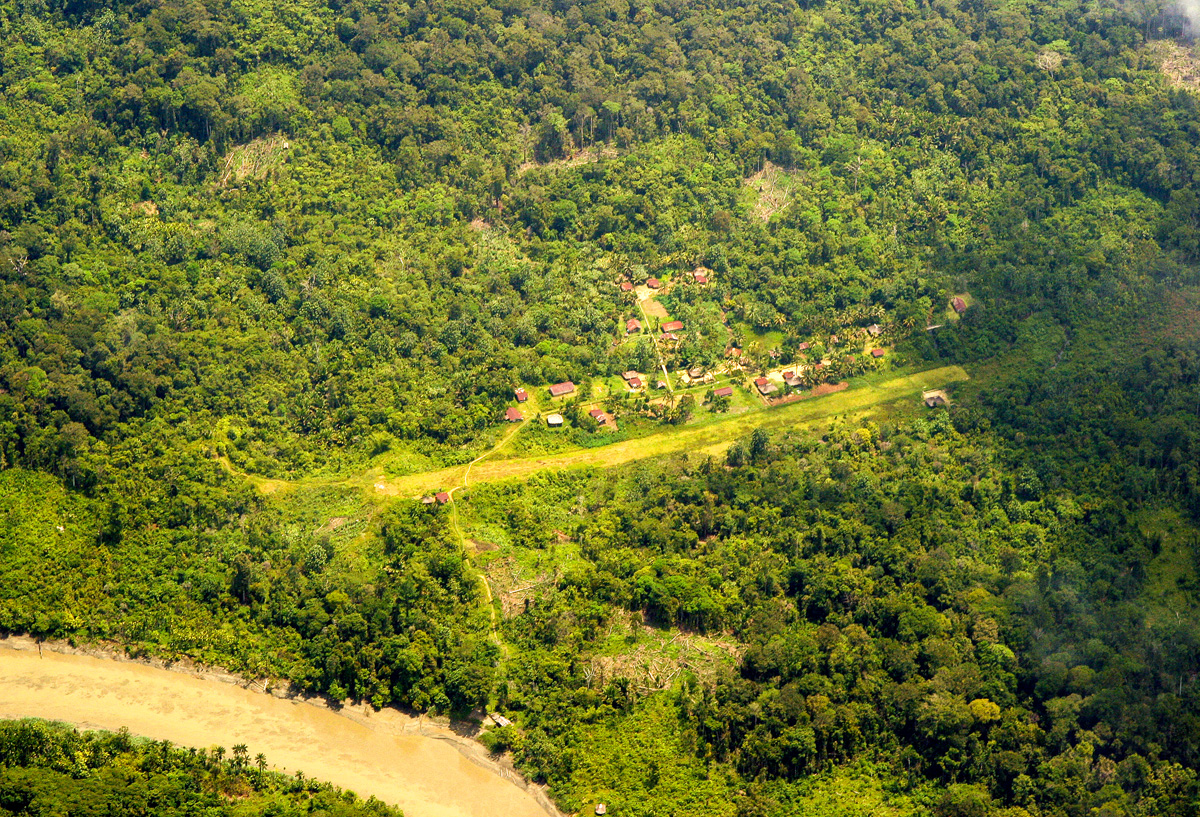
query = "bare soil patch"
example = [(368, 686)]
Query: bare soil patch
[(829, 388), (253, 160), (654, 309)]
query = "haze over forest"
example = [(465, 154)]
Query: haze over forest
[(748, 409)]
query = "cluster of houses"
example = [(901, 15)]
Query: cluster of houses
[(668, 329)]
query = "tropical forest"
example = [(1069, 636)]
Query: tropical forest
[(748, 409)]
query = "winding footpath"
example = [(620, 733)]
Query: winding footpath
[(425, 769)]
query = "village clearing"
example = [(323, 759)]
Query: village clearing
[(702, 440)]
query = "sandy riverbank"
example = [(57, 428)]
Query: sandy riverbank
[(424, 768)]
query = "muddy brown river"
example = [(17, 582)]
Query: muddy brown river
[(401, 760)]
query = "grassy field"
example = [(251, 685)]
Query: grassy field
[(712, 436)]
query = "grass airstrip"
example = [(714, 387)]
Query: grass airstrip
[(709, 435)]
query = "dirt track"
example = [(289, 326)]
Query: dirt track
[(399, 759)]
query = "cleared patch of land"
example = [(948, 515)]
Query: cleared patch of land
[(253, 160), (1180, 65), (771, 190)]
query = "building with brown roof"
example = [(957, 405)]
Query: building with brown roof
[(522, 396), (724, 391), (635, 383), (765, 386), (513, 415), (442, 497), (559, 389), (653, 283), (632, 325), (672, 326), (877, 353), (626, 286), (958, 304)]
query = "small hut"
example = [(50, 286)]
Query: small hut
[(554, 420)]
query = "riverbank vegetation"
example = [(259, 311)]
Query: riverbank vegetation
[(48, 768)]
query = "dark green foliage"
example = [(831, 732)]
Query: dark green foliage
[(295, 239)]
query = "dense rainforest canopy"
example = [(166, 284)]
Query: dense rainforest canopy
[(251, 251)]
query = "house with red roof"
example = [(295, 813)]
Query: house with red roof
[(765, 386), (877, 353), (442, 497), (724, 391), (672, 326), (559, 389), (632, 325), (513, 415), (521, 395)]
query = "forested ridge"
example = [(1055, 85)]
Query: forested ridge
[(242, 241)]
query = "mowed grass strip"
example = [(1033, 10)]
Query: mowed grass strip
[(711, 438)]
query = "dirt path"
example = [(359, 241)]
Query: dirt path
[(426, 770)]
